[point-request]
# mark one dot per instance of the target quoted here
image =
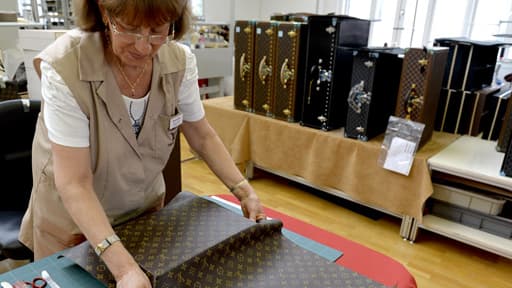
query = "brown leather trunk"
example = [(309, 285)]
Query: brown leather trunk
[(265, 67), (244, 64), (420, 86), (289, 75)]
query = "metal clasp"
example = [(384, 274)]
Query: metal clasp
[(358, 96)]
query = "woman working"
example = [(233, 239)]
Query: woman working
[(114, 93)]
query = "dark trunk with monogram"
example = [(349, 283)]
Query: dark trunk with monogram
[(265, 67), (289, 76), (420, 86), (470, 65), (329, 68), (244, 64), (372, 98)]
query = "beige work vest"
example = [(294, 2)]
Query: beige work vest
[(127, 170)]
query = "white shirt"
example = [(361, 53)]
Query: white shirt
[(68, 126)]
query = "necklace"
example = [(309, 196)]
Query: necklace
[(134, 85), (137, 122)]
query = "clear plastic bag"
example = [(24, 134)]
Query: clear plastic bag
[(400, 144)]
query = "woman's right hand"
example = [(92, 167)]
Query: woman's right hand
[(134, 278)]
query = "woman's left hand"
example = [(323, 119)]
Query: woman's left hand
[(252, 209)]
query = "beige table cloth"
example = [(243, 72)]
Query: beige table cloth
[(325, 159)]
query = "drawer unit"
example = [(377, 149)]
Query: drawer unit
[(495, 225)]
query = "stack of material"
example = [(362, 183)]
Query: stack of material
[(468, 104), (8, 16)]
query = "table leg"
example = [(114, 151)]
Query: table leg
[(249, 169), (414, 229), (409, 228)]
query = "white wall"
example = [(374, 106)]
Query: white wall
[(330, 6), (270, 7), (218, 10), (9, 5), (231, 10), (247, 9)]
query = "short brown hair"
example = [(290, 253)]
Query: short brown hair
[(136, 12)]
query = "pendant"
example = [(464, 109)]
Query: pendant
[(136, 127)]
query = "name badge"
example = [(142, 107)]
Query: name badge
[(175, 121)]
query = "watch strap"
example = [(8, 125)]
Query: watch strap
[(107, 242)]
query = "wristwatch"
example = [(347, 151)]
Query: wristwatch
[(107, 242)]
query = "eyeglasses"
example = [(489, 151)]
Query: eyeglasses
[(155, 39)]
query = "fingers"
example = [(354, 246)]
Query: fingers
[(252, 209), (245, 212), (261, 216), (255, 214)]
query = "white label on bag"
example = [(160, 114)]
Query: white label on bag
[(400, 155)]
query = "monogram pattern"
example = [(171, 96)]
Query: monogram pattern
[(422, 75), (244, 63), (288, 79), (359, 105), (265, 67), (377, 71), (194, 242), (413, 74)]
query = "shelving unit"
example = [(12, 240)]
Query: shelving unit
[(52, 14), (468, 235), (473, 162), (214, 54), (214, 64), (57, 14)]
